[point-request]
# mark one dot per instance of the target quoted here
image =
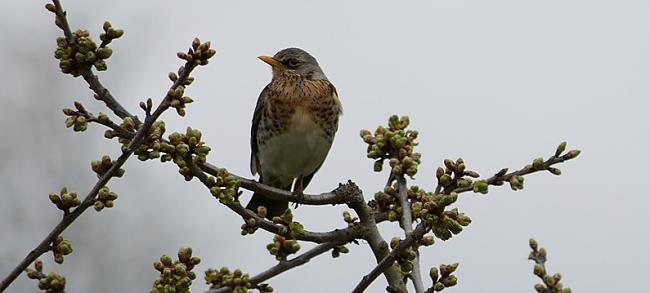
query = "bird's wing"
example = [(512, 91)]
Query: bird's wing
[(257, 114)]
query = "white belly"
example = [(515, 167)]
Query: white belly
[(297, 152)]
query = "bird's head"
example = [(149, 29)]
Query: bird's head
[(294, 61)]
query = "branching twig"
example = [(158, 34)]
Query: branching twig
[(523, 171), (285, 265), (389, 259), (327, 198), (89, 200)]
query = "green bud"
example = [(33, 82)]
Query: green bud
[(115, 34), (554, 171), (406, 267), (438, 287), (572, 154), (98, 205), (538, 270), (532, 243), (449, 281), (100, 65), (104, 52), (481, 186), (538, 164), (560, 149), (433, 273), (445, 180)]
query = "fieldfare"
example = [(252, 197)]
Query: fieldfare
[(294, 123)]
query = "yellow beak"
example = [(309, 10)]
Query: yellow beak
[(271, 61)]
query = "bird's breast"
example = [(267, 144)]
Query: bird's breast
[(299, 150)]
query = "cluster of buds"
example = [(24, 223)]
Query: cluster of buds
[(81, 52), (65, 200), (405, 258), (281, 247), (60, 248), (182, 145), (285, 243), (176, 276), (551, 283), (442, 278), (387, 200), (108, 36), (78, 119), (105, 199), (250, 225), (124, 137), (237, 281), (431, 207), (50, 283), (153, 144), (288, 227), (198, 54), (394, 143), (101, 166), (177, 99), (338, 250), (455, 175), (224, 187)]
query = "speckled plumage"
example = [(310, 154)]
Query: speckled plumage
[(294, 124)]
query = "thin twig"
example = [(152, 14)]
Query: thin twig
[(284, 265), (523, 171), (89, 200)]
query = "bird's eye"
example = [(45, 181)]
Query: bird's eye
[(292, 62)]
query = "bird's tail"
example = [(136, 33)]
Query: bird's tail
[(273, 207)]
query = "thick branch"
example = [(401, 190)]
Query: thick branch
[(387, 262), (377, 244), (326, 198), (345, 235)]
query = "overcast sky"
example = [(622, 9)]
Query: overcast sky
[(497, 83)]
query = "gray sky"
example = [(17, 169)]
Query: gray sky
[(495, 82)]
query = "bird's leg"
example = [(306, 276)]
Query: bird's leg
[(298, 190)]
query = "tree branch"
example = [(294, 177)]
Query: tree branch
[(345, 235), (285, 265), (89, 200), (327, 198), (406, 222), (387, 262)]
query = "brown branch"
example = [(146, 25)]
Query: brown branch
[(406, 222), (89, 200), (285, 265), (377, 244), (345, 235), (101, 93), (44, 246), (524, 171), (387, 262), (327, 198)]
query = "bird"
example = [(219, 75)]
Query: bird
[(293, 127)]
